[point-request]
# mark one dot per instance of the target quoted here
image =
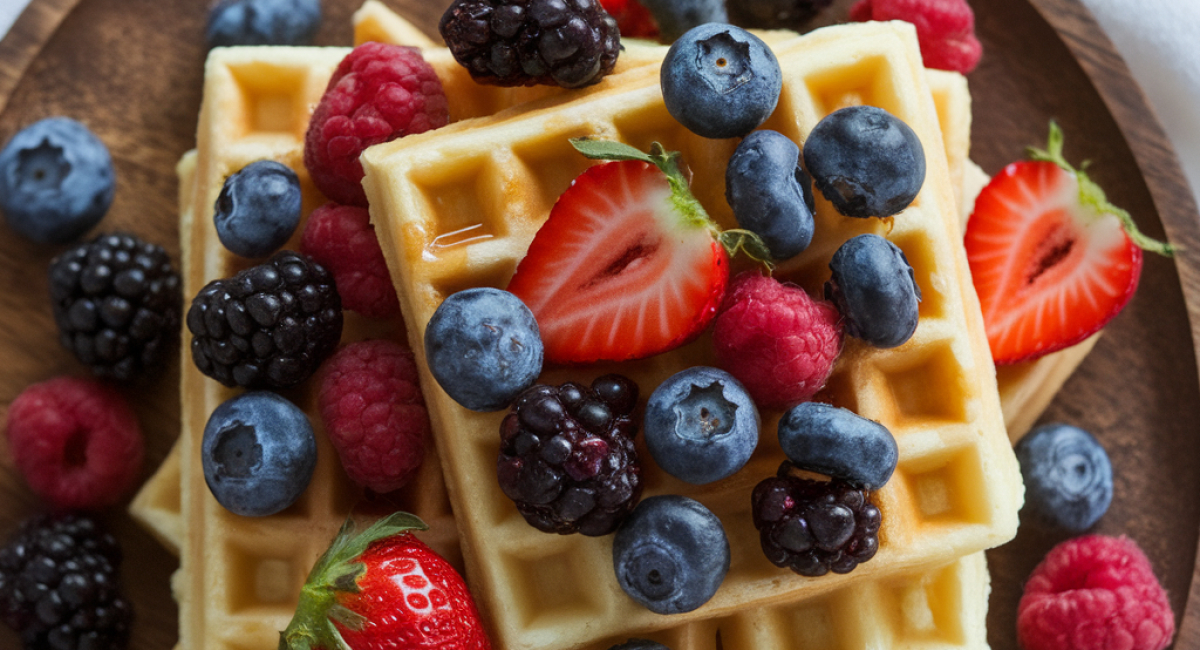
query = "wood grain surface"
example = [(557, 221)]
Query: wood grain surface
[(131, 70)]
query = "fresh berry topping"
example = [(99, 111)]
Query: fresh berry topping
[(60, 585), (382, 589), (342, 239), (634, 20), (720, 81), (258, 208), (483, 348), (814, 527), (527, 42), (1051, 259), (865, 161), (1094, 592), (945, 29), (1068, 477), (374, 414), (674, 17), (258, 453), (627, 265), (76, 441), (775, 14), (377, 93), (269, 326), (874, 288), (567, 457), (117, 303), (639, 644), (839, 444), (263, 22), (770, 193), (779, 342), (671, 555), (56, 180), (701, 425)]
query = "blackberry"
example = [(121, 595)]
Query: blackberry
[(775, 14), (567, 457), (117, 303), (59, 585), (269, 326), (814, 527), (526, 42)]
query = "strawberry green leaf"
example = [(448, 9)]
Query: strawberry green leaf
[(748, 242)]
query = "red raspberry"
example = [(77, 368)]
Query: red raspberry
[(1094, 593), (342, 239), (945, 28), (374, 413), (634, 20), (76, 441), (378, 93), (776, 340)]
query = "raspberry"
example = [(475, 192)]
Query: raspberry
[(1094, 593), (634, 20), (378, 93), (945, 28), (776, 340), (374, 413), (76, 441), (342, 239)]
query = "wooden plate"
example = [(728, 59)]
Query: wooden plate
[(131, 70)]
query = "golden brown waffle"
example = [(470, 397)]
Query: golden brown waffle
[(458, 207)]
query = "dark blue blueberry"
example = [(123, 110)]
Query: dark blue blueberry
[(775, 14), (671, 554), (874, 288), (838, 443), (865, 161), (56, 180), (483, 347), (770, 193), (1068, 477), (263, 22), (720, 81), (639, 644), (258, 208), (701, 425), (674, 17), (258, 453)]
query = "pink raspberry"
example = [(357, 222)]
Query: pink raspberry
[(76, 441), (378, 93), (342, 239), (1094, 593), (945, 29), (776, 340), (374, 413)]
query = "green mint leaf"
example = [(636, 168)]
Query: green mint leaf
[(609, 150)]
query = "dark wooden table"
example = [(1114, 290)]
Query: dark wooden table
[(131, 70)]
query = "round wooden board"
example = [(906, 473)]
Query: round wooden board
[(132, 69)]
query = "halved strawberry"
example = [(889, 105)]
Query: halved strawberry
[(634, 20), (1052, 260)]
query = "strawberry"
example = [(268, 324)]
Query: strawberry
[(1052, 260), (628, 264), (384, 589), (634, 20)]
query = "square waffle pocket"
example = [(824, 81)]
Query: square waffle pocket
[(457, 208)]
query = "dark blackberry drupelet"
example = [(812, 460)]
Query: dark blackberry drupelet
[(59, 585), (567, 457), (526, 42), (775, 14), (269, 326), (814, 527), (117, 303)]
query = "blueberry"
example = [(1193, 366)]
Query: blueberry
[(770, 193), (874, 288), (671, 554), (56, 180), (483, 347), (674, 17), (838, 443), (258, 453), (263, 22), (865, 161), (701, 425), (1068, 477), (258, 209), (639, 644), (720, 81)]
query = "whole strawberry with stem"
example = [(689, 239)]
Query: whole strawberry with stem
[(1051, 259), (384, 589)]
